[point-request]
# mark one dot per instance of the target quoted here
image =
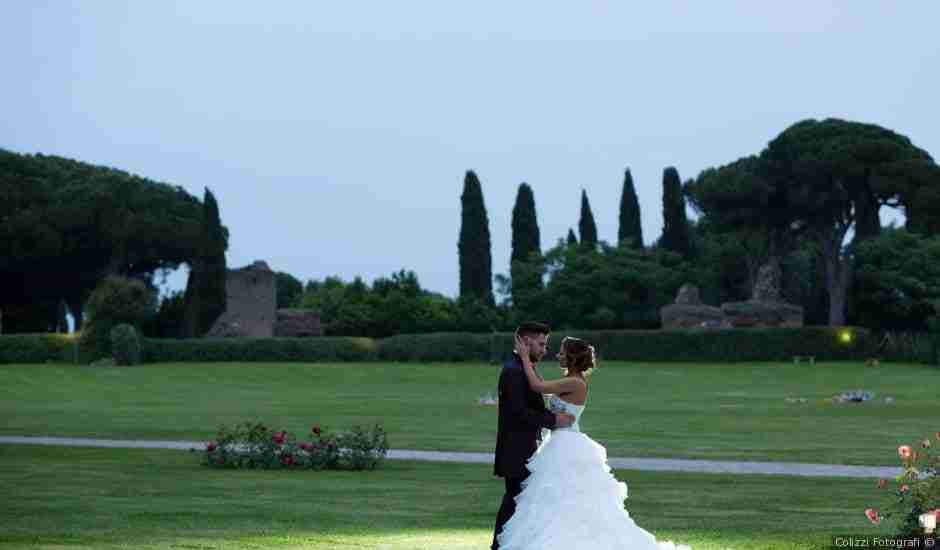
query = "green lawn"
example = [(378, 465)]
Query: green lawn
[(57, 497), (709, 411)]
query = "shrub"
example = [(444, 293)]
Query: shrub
[(125, 345), (253, 445), (916, 491), (114, 301)]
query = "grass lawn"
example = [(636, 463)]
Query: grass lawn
[(58, 497), (675, 410)]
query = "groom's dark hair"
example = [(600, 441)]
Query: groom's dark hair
[(532, 328)]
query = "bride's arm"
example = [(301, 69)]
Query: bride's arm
[(563, 385)]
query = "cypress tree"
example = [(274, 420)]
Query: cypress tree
[(476, 260), (205, 289), (675, 223), (630, 233), (526, 242), (571, 238), (586, 225)]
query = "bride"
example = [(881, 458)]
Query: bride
[(570, 498)]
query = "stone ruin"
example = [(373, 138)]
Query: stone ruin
[(689, 312), (765, 308), (251, 308)]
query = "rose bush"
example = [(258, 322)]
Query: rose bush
[(254, 445), (915, 492)]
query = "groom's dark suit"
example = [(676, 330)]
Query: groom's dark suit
[(522, 415)]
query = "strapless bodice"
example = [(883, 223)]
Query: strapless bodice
[(559, 405)]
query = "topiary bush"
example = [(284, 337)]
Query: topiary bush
[(114, 301), (125, 345)]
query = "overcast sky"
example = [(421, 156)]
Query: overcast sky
[(336, 135)]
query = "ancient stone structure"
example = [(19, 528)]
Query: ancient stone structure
[(251, 298), (250, 312), (765, 308), (297, 323), (688, 312)]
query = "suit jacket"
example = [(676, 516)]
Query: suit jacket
[(522, 415)]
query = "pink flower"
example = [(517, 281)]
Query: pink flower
[(307, 447), (279, 438), (287, 460), (872, 515), (905, 452), (882, 483), (211, 446)]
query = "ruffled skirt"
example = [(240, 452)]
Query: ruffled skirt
[(571, 500)]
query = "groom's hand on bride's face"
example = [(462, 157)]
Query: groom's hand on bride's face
[(563, 420)]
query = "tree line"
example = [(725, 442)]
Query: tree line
[(808, 202)]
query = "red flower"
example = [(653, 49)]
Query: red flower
[(279, 438), (316, 430), (307, 447), (882, 483), (872, 515), (287, 460), (211, 446)]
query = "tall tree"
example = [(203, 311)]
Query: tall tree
[(205, 289), (571, 239), (475, 256), (586, 226), (675, 222), (631, 230), (526, 247)]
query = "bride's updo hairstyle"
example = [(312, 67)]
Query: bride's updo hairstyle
[(579, 355)]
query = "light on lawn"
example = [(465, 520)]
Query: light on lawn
[(845, 337)]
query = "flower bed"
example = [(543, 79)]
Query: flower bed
[(254, 445)]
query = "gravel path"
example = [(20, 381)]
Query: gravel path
[(645, 464)]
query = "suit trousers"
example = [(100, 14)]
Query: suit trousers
[(508, 506)]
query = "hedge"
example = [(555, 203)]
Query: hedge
[(724, 345), (727, 345), (37, 348), (166, 350)]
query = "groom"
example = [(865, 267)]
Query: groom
[(522, 415)]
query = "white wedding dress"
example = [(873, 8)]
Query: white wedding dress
[(571, 500)]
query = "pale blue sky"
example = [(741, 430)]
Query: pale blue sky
[(336, 134)]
